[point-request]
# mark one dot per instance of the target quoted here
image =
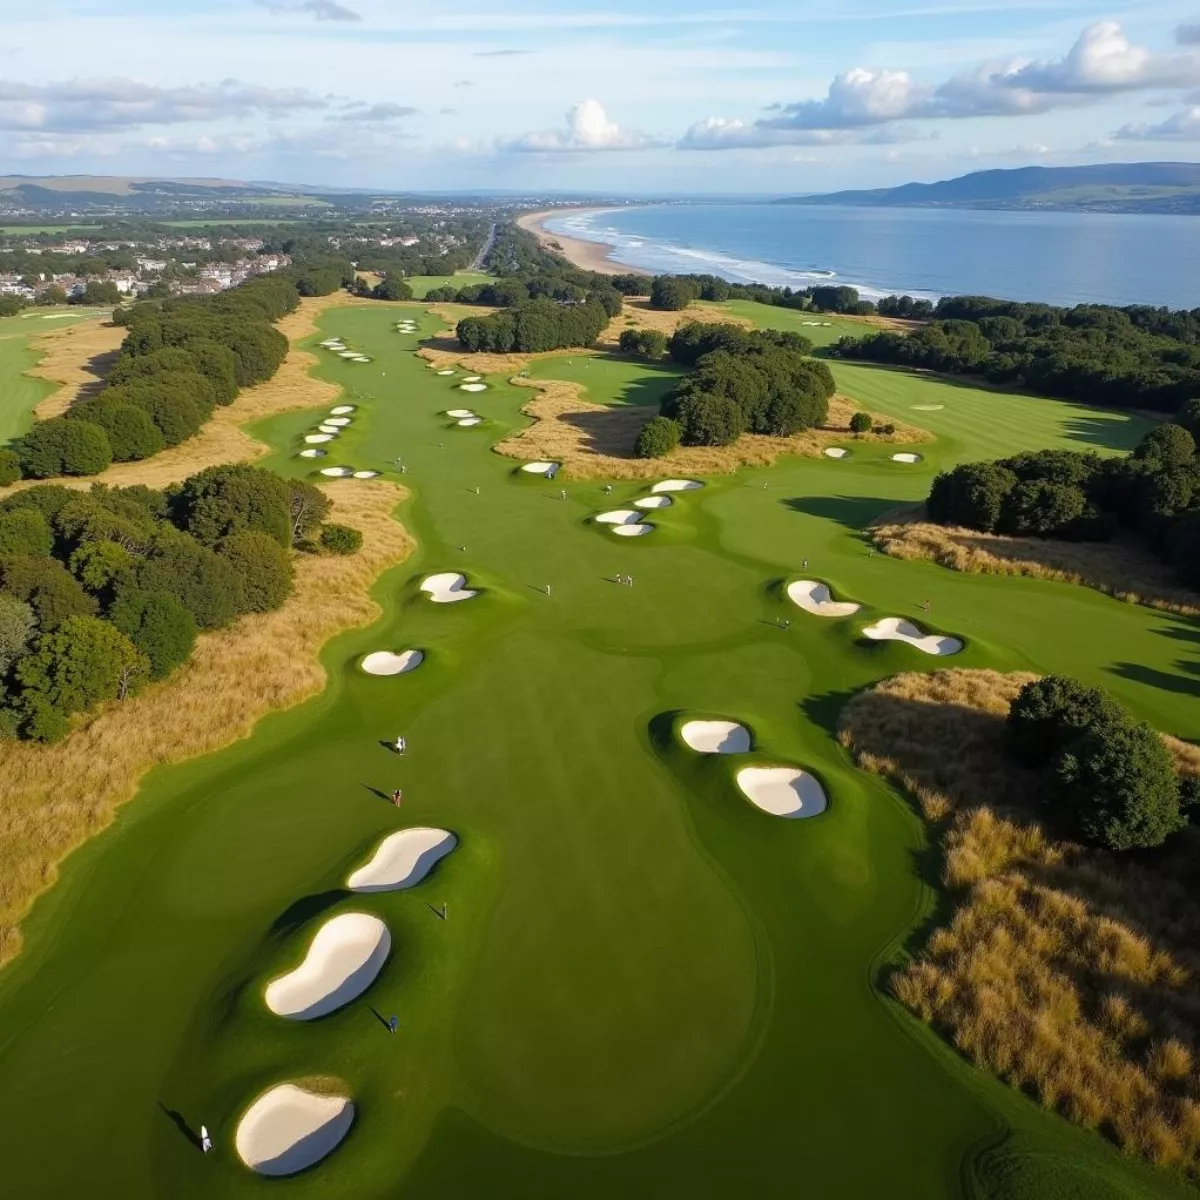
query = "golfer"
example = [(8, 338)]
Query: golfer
[(397, 798), (401, 745), (205, 1140)]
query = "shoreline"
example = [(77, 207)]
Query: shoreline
[(588, 256)]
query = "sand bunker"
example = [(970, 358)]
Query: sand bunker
[(835, 452), (466, 422), (289, 1128), (816, 598), (928, 407), (348, 354), (365, 474), (313, 438), (445, 372), (402, 860), (341, 410), (632, 530), (338, 472), (472, 387), (344, 957), (337, 422), (654, 502), (896, 629), (472, 378), (716, 737), (460, 412), (313, 453), (327, 428), (782, 791), (906, 458), (676, 485), (361, 358), (549, 469), (384, 662), (620, 516), (447, 588)]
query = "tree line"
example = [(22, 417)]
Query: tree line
[(1131, 357), (1153, 494), (105, 590)]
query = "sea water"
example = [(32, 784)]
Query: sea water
[(1058, 258)]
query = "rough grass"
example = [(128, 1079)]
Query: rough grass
[(52, 798), (1118, 568), (1070, 973), (77, 358)]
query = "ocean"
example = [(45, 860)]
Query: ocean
[(1058, 258)]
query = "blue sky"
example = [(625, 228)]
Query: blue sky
[(630, 96)]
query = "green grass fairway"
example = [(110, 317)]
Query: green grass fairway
[(645, 987), (19, 394), (610, 378), (829, 327), (422, 285)]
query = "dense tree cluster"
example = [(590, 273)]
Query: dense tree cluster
[(745, 381), (1133, 357), (533, 326), (1154, 494), (658, 436), (645, 343), (103, 590), (1112, 782)]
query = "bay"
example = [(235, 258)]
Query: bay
[(1058, 258)]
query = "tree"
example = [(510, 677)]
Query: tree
[(220, 501), (307, 508), (860, 422), (392, 287), (1189, 417), (1050, 713), (203, 582), (64, 447), (658, 436), (47, 587), (708, 420), (1042, 508), (131, 432), (81, 664), (673, 293), (1119, 786), (10, 468), (97, 292), (262, 565), (340, 539), (158, 625), (972, 495), (649, 343), (1166, 447), (25, 531), (17, 625), (101, 565)]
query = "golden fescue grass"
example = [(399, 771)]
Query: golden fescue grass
[(593, 441), (52, 798), (1068, 972), (1119, 569), (77, 358), (637, 314)]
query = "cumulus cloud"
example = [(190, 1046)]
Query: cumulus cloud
[(323, 10), (81, 104), (856, 98), (1182, 127), (378, 112), (588, 129), (729, 133)]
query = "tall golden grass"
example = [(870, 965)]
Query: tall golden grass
[(77, 358), (1069, 972), (1119, 568), (52, 798)]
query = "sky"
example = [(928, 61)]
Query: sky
[(636, 97)]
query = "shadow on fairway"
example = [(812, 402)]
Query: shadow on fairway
[(852, 512), (1180, 683), (824, 710), (303, 911), (177, 1119)]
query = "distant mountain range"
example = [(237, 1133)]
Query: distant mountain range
[(1107, 187)]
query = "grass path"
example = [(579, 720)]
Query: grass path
[(645, 987)]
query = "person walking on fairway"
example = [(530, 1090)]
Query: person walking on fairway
[(804, 565), (563, 494), (547, 589), (393, 1023), (629, 581), (401, 744), (926, 605), (205, 1140), (397, 798)]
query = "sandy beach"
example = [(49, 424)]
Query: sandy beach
[(589, 256)]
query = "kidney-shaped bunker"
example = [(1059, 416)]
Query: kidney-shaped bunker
[(402, 860), (290, 1128), (782, 791)]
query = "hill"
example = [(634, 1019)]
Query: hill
[(1105, 187)]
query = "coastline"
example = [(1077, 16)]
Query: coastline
[(588, 256)]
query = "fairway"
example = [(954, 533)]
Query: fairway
[(640, 984), (422, 285)]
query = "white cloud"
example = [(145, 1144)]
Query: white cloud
[(1182, 127), (1188, 35), (729, 133), (378, 112), (323, 10), (856, 97), (588, 129)]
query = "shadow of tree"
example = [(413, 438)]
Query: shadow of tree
[(612, 431), (852, 512)]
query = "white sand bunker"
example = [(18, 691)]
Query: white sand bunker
[(716, 737), (337, 422), (896, 629), (835, 452), (313, 453), (402, 860), (365, 474), (620, 516), (384, 662), (928, 407), (341, 410), (632, 530), (289, 1128), (331, 343), (906, 458), (549, 469), (313, 438), (654, 502), (337, 472), (467, 422), (472, 387), (460, 412), (361, 358), (349, 950), (472, 378), (349, 354), (782, 791), (676, 485), (447, 588), (816, 598), (328, 428), (445, 372)]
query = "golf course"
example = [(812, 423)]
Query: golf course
[(636, 938)]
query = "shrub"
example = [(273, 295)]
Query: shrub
[(860, 422), (973, 495), (220, 501), (17, 625), (1166, 447), (25, 531), (1052, 712), (694, 339), (659, 436), (64, 447), (263, 566), (10, 467), (203, 582), (99, 566), (47, 587), (340, 539), (392, 287), (708, 420), (158, 625), (649, 343), (1119, 785)]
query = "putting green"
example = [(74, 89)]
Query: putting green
[(642, 984)]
